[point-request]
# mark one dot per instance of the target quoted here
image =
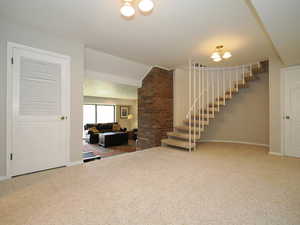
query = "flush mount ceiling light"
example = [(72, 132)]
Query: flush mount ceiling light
[(219, 54), (127, 10), (146, 5)]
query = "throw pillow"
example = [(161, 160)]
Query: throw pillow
[(116, 127), (94, 130)]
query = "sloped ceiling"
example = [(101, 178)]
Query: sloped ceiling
[(281, 20), (175, 31), (102, 66)]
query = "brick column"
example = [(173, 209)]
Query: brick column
[(155, 107)]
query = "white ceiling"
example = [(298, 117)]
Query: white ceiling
[(281, 20), (175, 31)]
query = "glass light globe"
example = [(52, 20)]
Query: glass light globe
[(146, 5), (218, 59), (227, 55), (215, 55), (127, 10)]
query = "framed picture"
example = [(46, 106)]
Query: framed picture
[(124, 110)]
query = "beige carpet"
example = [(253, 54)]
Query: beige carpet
[(220, 184)]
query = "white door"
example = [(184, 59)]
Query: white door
[(292, 111), (40, 109)]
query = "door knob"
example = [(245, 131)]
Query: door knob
[(287, 117), (62, 118)]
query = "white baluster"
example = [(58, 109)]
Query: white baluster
[(194, 107), (190, 103), (207, 95), (213, 91), (230, 83), (243, 74), (224, 73), (218, 80), (202, 91), (199, 101), (237, 79)]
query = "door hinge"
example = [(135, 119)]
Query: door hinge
[(12, 60), (11, 156)]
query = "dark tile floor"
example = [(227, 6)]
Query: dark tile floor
[(110, 151)]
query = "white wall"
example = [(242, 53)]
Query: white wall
[(181, 95), (33, 38), (275, 104)]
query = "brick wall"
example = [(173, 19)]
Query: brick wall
[(155, 107)]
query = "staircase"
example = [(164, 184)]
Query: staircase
[(209, 89)]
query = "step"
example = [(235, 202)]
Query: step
[(210, 110), (256, 67), (233, 91), (197, 122), (250, 78), (221, 103), (239, 82), (185, 128), (221, 98), (203, 116), (179, 135), (247, 74), (241, 85), (177, 143), (211, 105)]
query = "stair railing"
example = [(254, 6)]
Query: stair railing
[(208, 87)]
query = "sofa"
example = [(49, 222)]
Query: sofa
[(95, 130)]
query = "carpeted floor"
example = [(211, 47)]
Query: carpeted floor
[(220, 184)]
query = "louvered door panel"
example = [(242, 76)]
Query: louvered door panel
[(40, 85)]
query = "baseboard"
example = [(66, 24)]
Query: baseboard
[(75, 163), (276, 153), (236, 142), (4, 178)]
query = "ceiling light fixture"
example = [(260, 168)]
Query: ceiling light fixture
[(227, 55), (217, 59), (127, 9), (146, 5), (219, 54)]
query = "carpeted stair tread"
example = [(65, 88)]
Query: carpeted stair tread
[(221, 98), (185, 128), (196, 121), (179, 135), (178, 143), (203, 116)]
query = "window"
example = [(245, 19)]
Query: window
[(105, 113), (89, 112), (99, 114)]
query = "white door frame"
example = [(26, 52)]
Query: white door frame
[(282, 106), (9, 100)]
